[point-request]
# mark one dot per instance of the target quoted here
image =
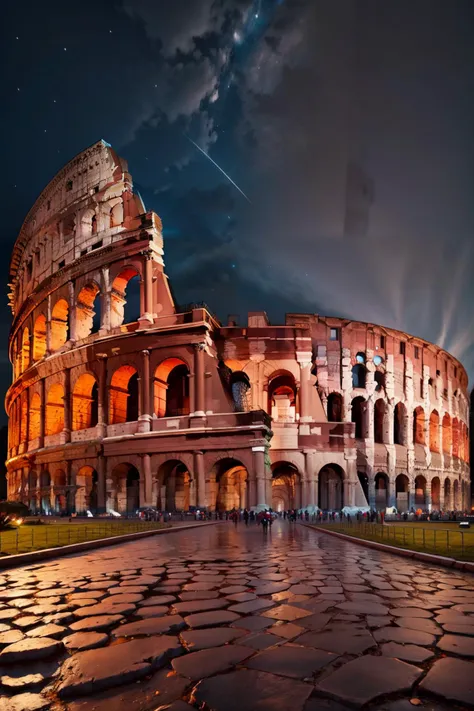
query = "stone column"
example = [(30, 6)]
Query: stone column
[(372, 492), (42, 412), (147, 315), (200, 477), (144, 418), (105, 301), (208, 392), (148, 481), (48, 325), (101, 483), (102, 414), (305, 362), (72, 312), (66, 433), (27, 423), (199, 385), (310, 495), (411, 494), (259, 469)]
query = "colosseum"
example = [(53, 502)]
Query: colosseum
[(122, 399)]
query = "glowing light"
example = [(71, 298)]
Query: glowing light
[(219, 168)]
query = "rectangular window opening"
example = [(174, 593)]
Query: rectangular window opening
[(334, 334), (97, 245), (402, 347), (417, 352), (62, 264), (83, 252), (383, 342)]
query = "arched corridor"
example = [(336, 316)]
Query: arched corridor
[(123, 397), (171, 388), (87, 309), (228, 484), (282, 397), (86, 490), (84, 402), (331, 488), (126, 488), (381, 491), (286, 487), (173, 487), (125, 297), (402, 492), (420, 492)]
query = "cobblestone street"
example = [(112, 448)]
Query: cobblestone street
[(227, 618)]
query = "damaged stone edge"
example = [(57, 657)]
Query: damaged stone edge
[(13, 561), (406, 552)]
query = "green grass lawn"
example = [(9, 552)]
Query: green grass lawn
[(28, 538), (442, 538)]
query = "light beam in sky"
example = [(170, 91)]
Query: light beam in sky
[(219, 168)]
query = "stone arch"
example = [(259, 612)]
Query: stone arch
[(359, 376), (123, 398), (358, 416), (331, 487), (400, 422), (436, 493), (85, 402), (116, 214), (382, 485), (448, 504), (402, 492), (228, 483), (87, 310), (282, 396), (126, 488), (45, 491), (419, 426), (25, 349), (88, 223), (434, 431), (286, 486), (23, 433), (55, 410), (35, 417), (59, 490), (240, 387), (59, 324), (335, 407), (125, 297), (86, 490), (420, 492), (174, 486), (171, 388), (456, 497), (447, 438), (380, 422), (39, 338)]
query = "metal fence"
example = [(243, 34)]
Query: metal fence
[(442, 541)]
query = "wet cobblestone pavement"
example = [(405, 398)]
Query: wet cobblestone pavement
[(227, 618)]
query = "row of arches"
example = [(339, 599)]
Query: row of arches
[(125, 300), (451, 438), (440, 496)]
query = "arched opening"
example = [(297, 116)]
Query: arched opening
[(359, 375), (55, 410), (228, 483), (420, 492), (88, 222), (39, 338), (402, 492), (45, 492), (448, 504), (364, 482), (85, 402), (434, 432), (282, 397), (419, 426), (358, 416), (35, 417), (286, 487), (126, 481), (87, 308), (240, 386), (59, 324), (116, 215), (86, 490), (400, 424), (174, 487), (25, 349), (125, 298), (59, 484), (381, 491), (379, 377), (32, 491), (380, 412), (456, 497), (171, 388), (455, 433), (436, 493), (123, 398), (335, 407), (331, 488), (447, 434), (23, 417)]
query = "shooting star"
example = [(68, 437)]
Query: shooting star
[(219, 168)]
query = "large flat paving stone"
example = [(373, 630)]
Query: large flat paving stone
[(105, 608), (253, 691), (152, 626), (30, 650), (291, 660), (50, 630), (98, 669), (366, 678), (206, 662), (96, 624), (287, 613), (186, 608), (25, 702), (457, 644), (20, 677), (247, 608), (211, 619), (406, 652), (359, 607), (11, 637), (80, 641), (452, 679), (404, 636), (207, 638), (340, 639)]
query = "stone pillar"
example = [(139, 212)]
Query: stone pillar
[(192, 393), (101, 483), (144, 417), (148, 501), (200, 477), (259, 469), (66, 433), (411, 494), (199, 385), (310, 495), (208, 393), (102, 413), (392, 493), (72, 312), (372, 492), (147, 315), (27, 423), (305, 362), (48, 325), (105, 301), (42, 412)]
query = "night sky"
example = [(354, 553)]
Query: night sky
[(348, 125)]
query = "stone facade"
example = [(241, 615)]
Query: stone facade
[(121, 402)]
